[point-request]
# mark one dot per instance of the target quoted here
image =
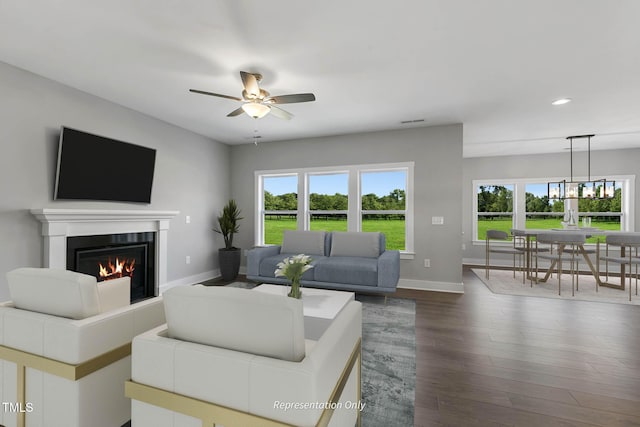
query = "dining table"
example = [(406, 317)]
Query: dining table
[(531, 233)]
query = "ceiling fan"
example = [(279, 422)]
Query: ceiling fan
[(257, 102)]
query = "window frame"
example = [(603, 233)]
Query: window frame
[(354, 211), (519, 200)]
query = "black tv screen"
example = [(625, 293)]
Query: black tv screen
[(92, 167)]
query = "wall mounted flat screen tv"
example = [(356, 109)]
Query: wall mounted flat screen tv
[(92, 167)]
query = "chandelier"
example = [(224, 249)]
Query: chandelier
[(589, 189)]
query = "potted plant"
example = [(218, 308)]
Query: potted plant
[(229, 256)]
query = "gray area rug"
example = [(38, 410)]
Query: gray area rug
[(388, 361), (502, 282)]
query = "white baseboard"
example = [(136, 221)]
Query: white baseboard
[(428, 285), (190, 280)]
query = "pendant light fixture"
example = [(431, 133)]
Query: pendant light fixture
[(589, 189)]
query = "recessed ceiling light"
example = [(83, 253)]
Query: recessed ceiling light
[(561, 101)]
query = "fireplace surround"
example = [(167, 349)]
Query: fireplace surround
[(59, 226)]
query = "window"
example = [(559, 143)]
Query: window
[(383, 205), (348, 198), (506, 204), (280, 206), (494, 209), (328, 201), (540, 211)]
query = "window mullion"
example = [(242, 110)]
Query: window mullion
[(520, 206), (354, 217), (303, 220)]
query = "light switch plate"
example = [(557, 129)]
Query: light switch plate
[(437, 220)]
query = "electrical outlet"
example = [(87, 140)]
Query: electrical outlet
[(464, 247), (188, 259), (427, 263), (187, 219)]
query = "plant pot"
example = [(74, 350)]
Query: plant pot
[(229, 260)]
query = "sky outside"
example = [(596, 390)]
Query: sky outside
[(379, 183)]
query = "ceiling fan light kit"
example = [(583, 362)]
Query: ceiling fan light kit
[(256, 110), (259, 102), (589, 189)]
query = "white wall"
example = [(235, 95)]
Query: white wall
[(437, 153), (603, 163), (192, 172)]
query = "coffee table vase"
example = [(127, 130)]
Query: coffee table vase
[(295, 291)]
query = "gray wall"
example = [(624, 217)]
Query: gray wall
[(191, 171), (603, 163), (437, 152)]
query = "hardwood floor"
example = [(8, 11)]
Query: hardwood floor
[(484, 359)]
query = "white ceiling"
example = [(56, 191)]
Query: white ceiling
[(494, 65)]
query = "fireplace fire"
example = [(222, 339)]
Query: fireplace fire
[(116, 270)]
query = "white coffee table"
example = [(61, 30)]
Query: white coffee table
[(320, 306)]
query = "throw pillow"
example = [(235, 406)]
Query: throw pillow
[(366, 244), (303, 242)]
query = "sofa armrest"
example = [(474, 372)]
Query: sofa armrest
[(255, 257), (389, 269), (114, 294)]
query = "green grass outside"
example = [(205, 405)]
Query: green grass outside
[(505, 224), (393, 229)]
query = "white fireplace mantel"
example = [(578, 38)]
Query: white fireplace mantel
[(58, 224)]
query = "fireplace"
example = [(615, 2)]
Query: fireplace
[(59, 225), (111, 256)]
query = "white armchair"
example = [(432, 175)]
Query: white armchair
[(236, 357), (65, 344)]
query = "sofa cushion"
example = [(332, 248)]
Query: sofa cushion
[(351, 270), (269, 264), (303, 242), (237, 319), (53, 291), (355, 244)]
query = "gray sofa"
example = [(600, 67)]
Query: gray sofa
[(350, 261)]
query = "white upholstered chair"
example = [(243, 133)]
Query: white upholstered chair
[(236, 357), (65, 343)]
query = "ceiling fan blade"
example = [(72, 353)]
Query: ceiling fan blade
[(236, 112), (250, 83), (280, 113), (292, 99), (202, 92)]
